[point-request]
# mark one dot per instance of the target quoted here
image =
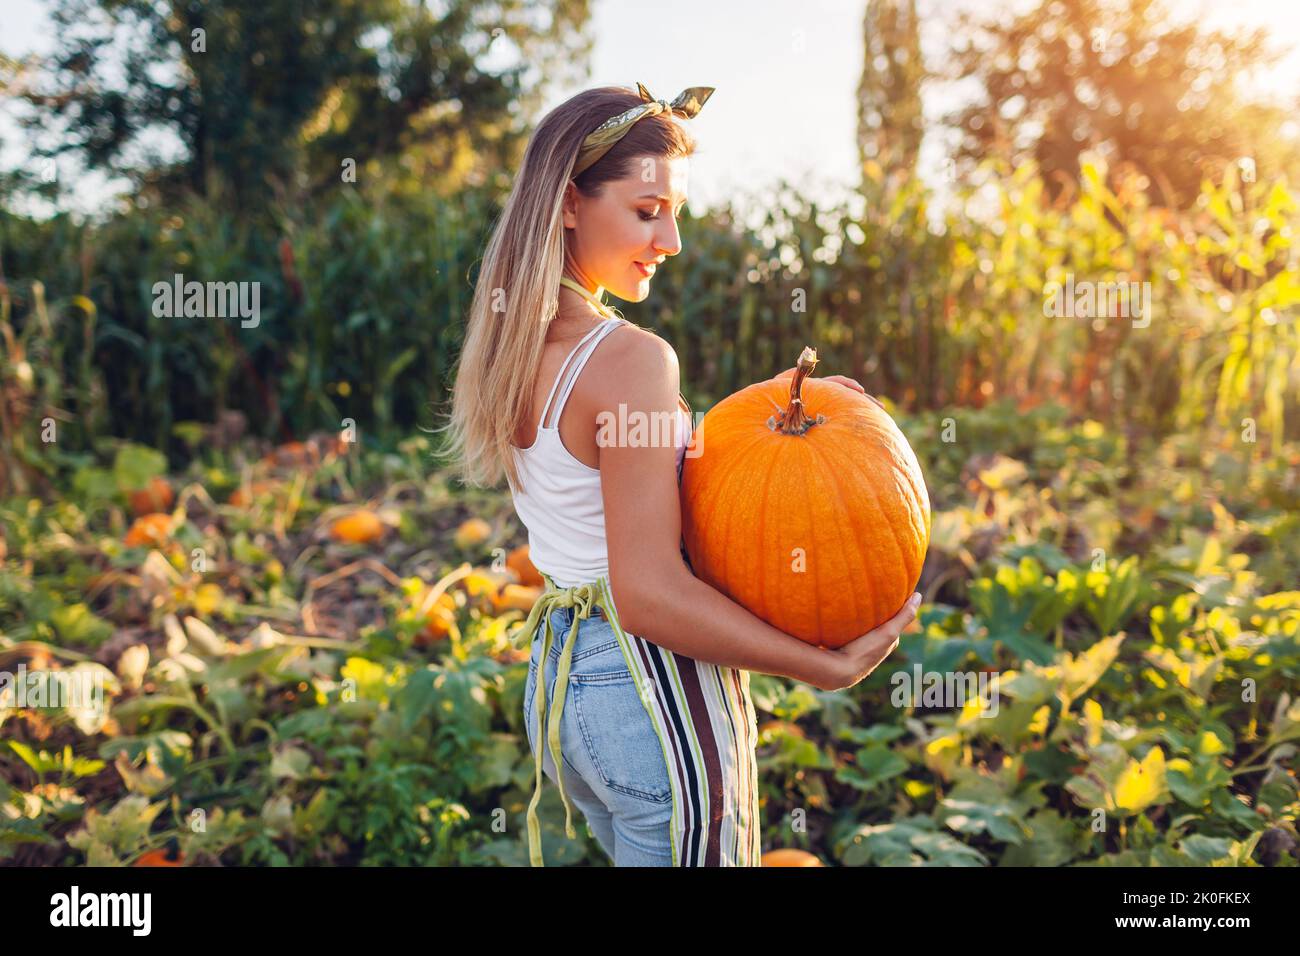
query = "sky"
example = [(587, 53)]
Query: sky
[(785, 72)]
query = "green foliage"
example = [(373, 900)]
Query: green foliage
[(364, 292), (1140, 705), (262, 100)]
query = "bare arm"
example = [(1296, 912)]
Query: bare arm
[(656, 594)]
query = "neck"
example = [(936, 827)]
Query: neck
[(596, 299)]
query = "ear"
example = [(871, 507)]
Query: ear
[(569, 210)]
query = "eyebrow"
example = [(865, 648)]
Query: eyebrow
[(665, 199)]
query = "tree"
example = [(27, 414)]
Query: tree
[(261, 99), (1122, 76), (890, 122)]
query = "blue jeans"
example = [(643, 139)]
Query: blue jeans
[(614, 767)]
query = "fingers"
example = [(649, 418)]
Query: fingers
[(845, 380), (895, 625), (862, 655), (839, 379)]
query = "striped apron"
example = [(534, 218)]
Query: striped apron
[(704, 718)]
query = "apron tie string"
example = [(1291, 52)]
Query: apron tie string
[(583, 597)]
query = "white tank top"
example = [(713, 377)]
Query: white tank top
[(562, 506)]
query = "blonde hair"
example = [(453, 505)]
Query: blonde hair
[(517, 292)]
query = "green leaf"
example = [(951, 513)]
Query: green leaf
[(289, 762), (1194, 781), (42, 762), (416, 697), (1117, 783), (135, 465), (1204, 850), (982, 805), (913, 841), (1052, 841), (873, 766), (78, 626)]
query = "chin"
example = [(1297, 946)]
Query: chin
[(635, 293)]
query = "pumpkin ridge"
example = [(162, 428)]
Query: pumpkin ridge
[(907, 457), (902, 556), (896, 452), (817, 578), (920, 506), (807, 527), (720, 481), (844, 509), (762, 513)]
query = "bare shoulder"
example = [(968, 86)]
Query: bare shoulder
[(633, 359)]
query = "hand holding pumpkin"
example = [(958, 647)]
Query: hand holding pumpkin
[(859, 657)]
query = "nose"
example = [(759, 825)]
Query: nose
[(668, 241)]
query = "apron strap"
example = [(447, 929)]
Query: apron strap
[(583, 597)]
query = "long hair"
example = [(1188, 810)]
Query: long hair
[(517, 293)]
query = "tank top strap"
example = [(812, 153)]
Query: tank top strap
[(555, 386), (570, 377)]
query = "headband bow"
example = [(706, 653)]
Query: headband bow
[(602, 139)]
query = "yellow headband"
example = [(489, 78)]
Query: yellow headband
[(602, 139)]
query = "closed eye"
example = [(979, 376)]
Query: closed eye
[(650, 218)]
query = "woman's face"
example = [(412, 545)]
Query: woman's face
[(616, 239)]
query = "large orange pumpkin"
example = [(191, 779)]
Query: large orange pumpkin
[(807, 506)]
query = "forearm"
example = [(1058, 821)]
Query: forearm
[(688, 616)]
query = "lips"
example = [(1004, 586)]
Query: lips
[(645, 269)]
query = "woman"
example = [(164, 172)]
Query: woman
[(639, 673)]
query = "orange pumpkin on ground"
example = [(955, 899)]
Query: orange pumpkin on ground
[(483, 585), (471, 533), (790, 857), (516, 597), (169, 855), (519, 562), (807, 506), (438, 619), (153, 530), (158, 496), (243, 496), (360, 527), (294, 454)]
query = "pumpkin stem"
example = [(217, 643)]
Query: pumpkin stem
[(795, 419)]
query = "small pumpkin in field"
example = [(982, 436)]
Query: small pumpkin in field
[(360, 527), (149, 530), (814, 517), (169, 855), (483, 585), (244, 495), (472, 533), (516, 597), (519, 562), (438, 619), (155, 497), (294, 454), (790, 857)]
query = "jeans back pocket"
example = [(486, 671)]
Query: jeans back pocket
[(621, 740)]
